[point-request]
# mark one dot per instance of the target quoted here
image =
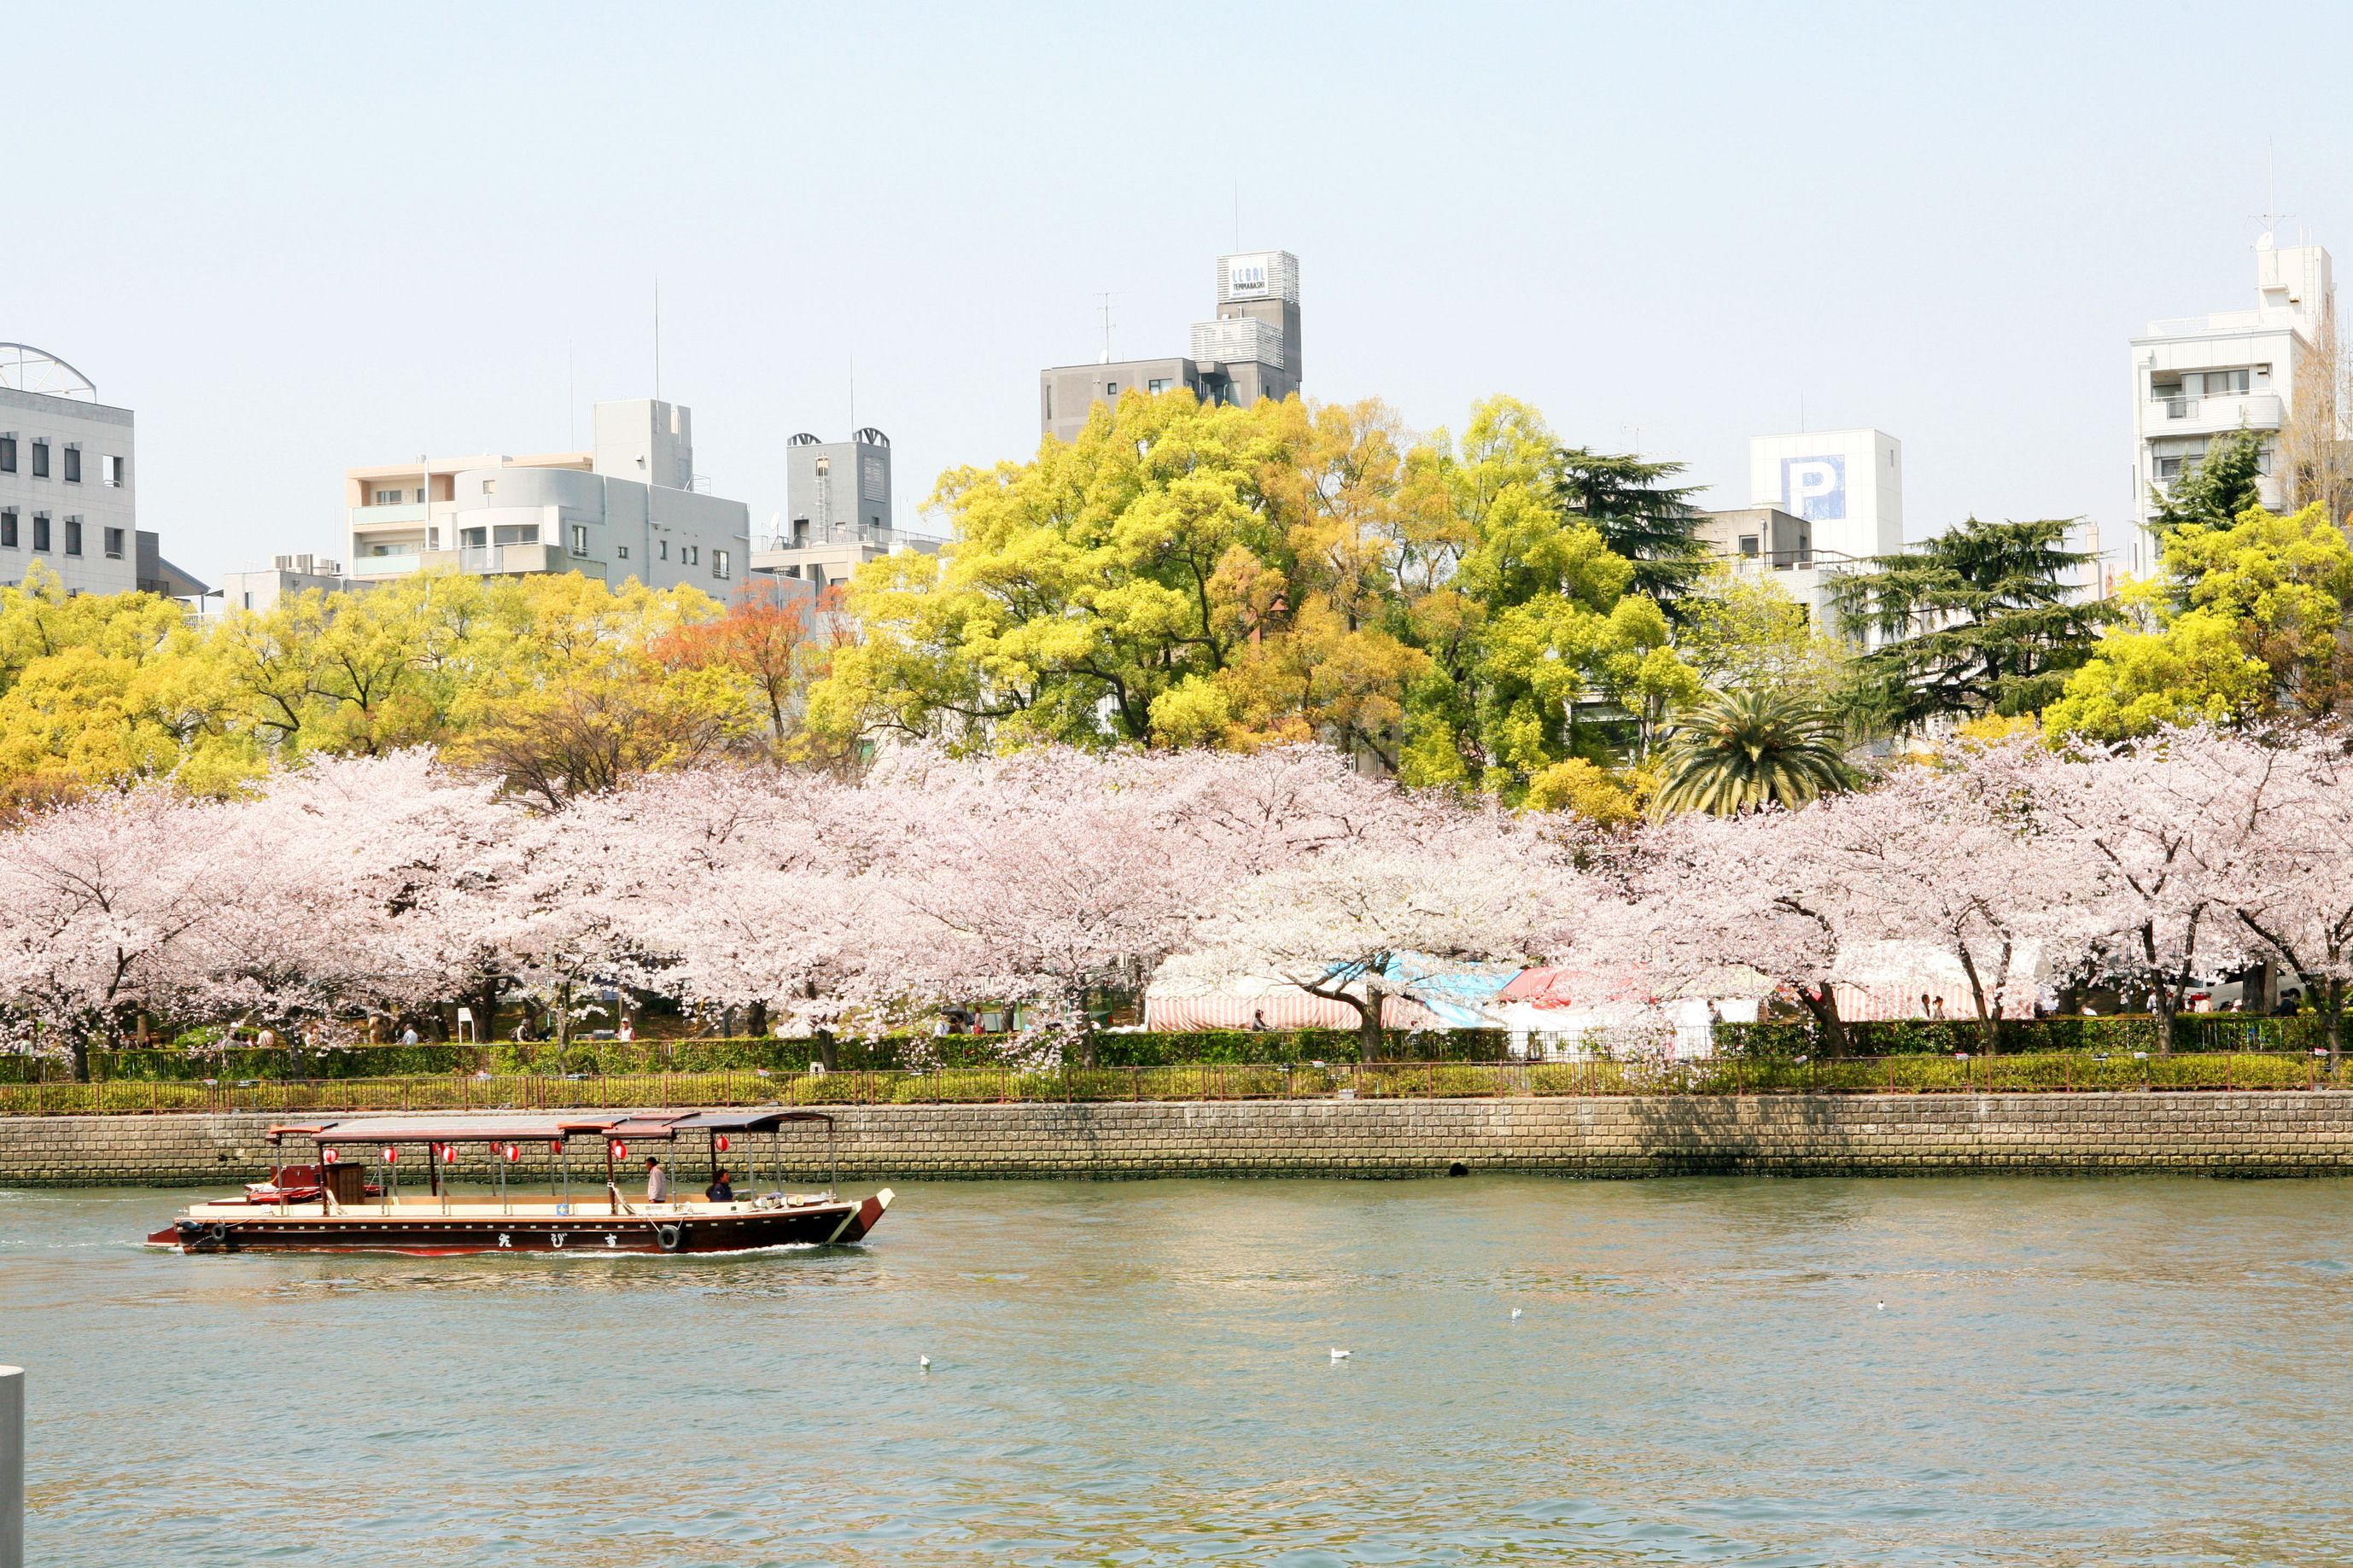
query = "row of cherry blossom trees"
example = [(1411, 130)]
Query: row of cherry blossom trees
[(359, 889), (2149, 867)]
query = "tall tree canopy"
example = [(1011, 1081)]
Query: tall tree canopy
[(1980, 619), (1184, 574)]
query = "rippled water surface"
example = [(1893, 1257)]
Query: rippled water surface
[(2063, 1372)]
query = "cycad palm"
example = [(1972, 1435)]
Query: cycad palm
[(1736, 750)]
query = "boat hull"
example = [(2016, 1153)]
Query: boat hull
[(423, 1233)]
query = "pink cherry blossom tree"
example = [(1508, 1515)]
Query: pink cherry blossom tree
[(2161, 831), (106, 907)]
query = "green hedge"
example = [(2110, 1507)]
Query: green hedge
[(1765, 1042), (612, 1056)]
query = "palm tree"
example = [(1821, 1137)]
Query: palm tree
[(1734, 750)]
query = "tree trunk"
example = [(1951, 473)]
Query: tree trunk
[(81, 1056), (1370, 1044), (2161, 1015), (1821, 1005), (2332, 997), (756, 1024)]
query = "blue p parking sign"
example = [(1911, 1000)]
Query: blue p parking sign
[(1814, 487)]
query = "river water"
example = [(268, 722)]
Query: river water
[(2062, 1371)]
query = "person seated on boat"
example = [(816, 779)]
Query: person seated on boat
[(657, 1182), (721, 1190)]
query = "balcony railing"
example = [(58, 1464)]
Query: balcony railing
[(386, 565)]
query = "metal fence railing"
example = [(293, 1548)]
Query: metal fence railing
[(2044, 1073)]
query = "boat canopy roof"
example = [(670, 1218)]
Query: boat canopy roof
[(502, 1127)]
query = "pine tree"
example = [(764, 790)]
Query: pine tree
[(1644, 518), (2215, 493), (1982, 618)]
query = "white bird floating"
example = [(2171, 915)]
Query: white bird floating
[(1883, 1306), (1515, 1311), (1339, 1355), (924, 1362)]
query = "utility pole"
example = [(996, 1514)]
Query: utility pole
[(12, 1467)]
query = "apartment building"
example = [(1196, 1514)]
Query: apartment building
[(67, 497), (2197, 377), (629, 507), (1251, 350)]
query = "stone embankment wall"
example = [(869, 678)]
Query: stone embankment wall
[(2216, 1133)]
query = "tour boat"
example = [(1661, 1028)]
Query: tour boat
[(347, 1198)]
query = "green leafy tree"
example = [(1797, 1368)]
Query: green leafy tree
[(1980, 619), (1734, 750), (1639, 514)]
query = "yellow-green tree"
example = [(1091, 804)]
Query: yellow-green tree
[(2248, 620), (104, 691)]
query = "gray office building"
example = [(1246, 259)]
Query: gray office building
[(836, 512), (1251, 351)]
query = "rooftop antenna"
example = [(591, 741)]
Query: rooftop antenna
[(853, 392), (1105, 308), (2270, 217), (1238, 214), (657, 337), (570, 419)]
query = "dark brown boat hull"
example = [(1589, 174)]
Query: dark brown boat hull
[(427, 1234)]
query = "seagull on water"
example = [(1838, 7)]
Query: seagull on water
[(1883, 1306), (1515, 1311), (1339, 1355), (923, 1363)]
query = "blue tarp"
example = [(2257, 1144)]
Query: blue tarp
[(1457, 995)]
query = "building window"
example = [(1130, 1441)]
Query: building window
[(7, 454), (691, 554), (662, 549), (248, 601), (1157, 384), (113, 473), (114, 544), (579, 539), (40, 458), (490, 487), (1049, 400), (73, 464), (40, 530), (1748, 544), (387, 498), (824, 466), (7, 530), (718, 563), (1111, 389), (622, 550), (73, 536)]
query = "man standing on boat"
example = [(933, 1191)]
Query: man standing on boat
[(657, 1182)]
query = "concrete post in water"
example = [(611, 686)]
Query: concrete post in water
[(12, 1467)]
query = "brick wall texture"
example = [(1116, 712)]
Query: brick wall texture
[(2308, 1133)]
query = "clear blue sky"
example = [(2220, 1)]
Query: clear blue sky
[(295, 239)]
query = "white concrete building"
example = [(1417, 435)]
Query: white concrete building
[(2197, 377), (629, 508), (1846, 485), (288, 575), (67, 482)]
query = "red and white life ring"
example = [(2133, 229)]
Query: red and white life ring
[(721, 1142), (621, 1151), (391, 1155)]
